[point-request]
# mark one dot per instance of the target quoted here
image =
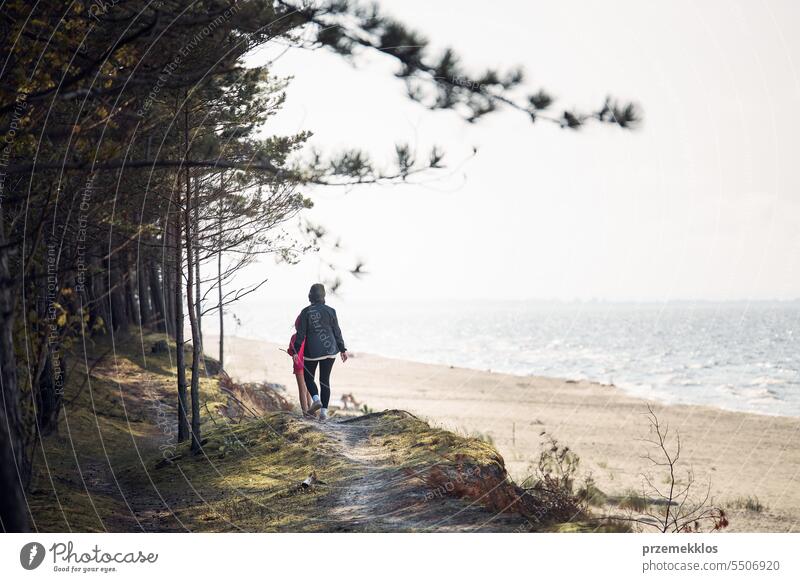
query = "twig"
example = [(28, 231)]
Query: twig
[(210, 414), (239, 402)]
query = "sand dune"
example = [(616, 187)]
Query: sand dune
[(743, 455)]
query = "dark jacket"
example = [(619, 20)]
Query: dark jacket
[(319, 328)]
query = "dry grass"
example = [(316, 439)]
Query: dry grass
[(468, 467), (749, 503)]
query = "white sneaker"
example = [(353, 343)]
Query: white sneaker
[(323, 415), (316, 405)]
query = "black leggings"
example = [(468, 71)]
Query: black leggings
[(325, 367)]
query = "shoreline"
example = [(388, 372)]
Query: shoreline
[(627, 388), (743, 455)]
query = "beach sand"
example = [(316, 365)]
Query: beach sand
[(743, 455)]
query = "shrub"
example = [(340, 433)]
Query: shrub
[(590, 494), (749, 503)]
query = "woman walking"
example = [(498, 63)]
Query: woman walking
[(319, 329)]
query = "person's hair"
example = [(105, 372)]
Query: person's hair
[(317, 293)]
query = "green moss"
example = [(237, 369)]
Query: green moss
[(249, 477), (68, 509), (415, 442)]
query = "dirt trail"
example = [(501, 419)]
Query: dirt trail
[(383, 498)]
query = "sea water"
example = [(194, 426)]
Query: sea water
[(735, 356)]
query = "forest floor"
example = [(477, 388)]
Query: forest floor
[(114, 464)]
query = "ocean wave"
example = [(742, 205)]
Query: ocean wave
[(760, 394), (768, 381)]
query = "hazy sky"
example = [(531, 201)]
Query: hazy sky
[(702, 202)]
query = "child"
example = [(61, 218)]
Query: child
[(298, 369)]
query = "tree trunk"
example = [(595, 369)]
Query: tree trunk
[(190, 305), (50, 389), (219, 279), (145, 312), (190, 290), (130, 289), (119, 315), (197, 290), (98, 297), (172, 293), (13, 507), (160, 315), (183, 426), (168, 270)]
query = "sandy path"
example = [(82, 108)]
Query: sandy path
[(382, 498)]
